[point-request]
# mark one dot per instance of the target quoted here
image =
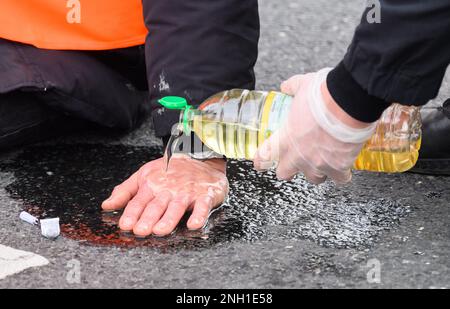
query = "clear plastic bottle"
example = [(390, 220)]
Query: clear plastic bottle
[(236, 122)]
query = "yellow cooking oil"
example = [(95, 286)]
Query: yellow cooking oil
[(231, 140), (387, 160), (235, 123)]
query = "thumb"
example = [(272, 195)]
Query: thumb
[(268, 154), (292, 85)]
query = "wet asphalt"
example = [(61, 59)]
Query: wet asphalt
[(269, 234)]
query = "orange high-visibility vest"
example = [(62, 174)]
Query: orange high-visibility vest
[(73, 24)]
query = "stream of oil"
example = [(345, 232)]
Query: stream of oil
[(71, 181), (171, 146)]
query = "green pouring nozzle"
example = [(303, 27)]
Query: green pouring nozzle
[(174, 103)]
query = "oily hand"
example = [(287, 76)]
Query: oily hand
[(318, 139), (156, 200)]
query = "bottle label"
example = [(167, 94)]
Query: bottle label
[(275, 111)]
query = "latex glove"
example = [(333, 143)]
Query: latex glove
[(155, 201), (318, 139)]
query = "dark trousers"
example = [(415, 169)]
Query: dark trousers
[(45, 93), (194, 49)]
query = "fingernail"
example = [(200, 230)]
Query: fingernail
[(197, 221), (161, 226), (265, 165), (142, 227), (127, 221)]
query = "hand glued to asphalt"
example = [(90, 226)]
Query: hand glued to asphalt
[(155, 200)]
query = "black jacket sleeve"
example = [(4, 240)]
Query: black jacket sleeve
[(195, 49), (402, 59)]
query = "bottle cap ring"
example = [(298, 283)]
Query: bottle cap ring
[(174, 103)]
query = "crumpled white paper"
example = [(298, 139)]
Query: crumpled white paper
[(50, 228)]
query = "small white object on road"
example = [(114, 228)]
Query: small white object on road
[(13, 261), (50, 228), (25, 216)]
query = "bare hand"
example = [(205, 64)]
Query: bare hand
[(156, 200)]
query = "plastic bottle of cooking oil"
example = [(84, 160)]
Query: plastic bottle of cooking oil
[(236, 122)]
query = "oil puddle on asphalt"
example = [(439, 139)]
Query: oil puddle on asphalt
[(70, 182)]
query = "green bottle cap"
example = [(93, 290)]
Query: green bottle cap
[(172, 102)]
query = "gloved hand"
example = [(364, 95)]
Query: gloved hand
[(318, 139)]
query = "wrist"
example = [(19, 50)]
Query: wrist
[(323, 109), (217, 164), (352, 97), (338, 112)]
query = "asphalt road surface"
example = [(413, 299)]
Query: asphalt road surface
[(382, 231)]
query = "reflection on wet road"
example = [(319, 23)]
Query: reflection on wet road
[(70, 182)]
